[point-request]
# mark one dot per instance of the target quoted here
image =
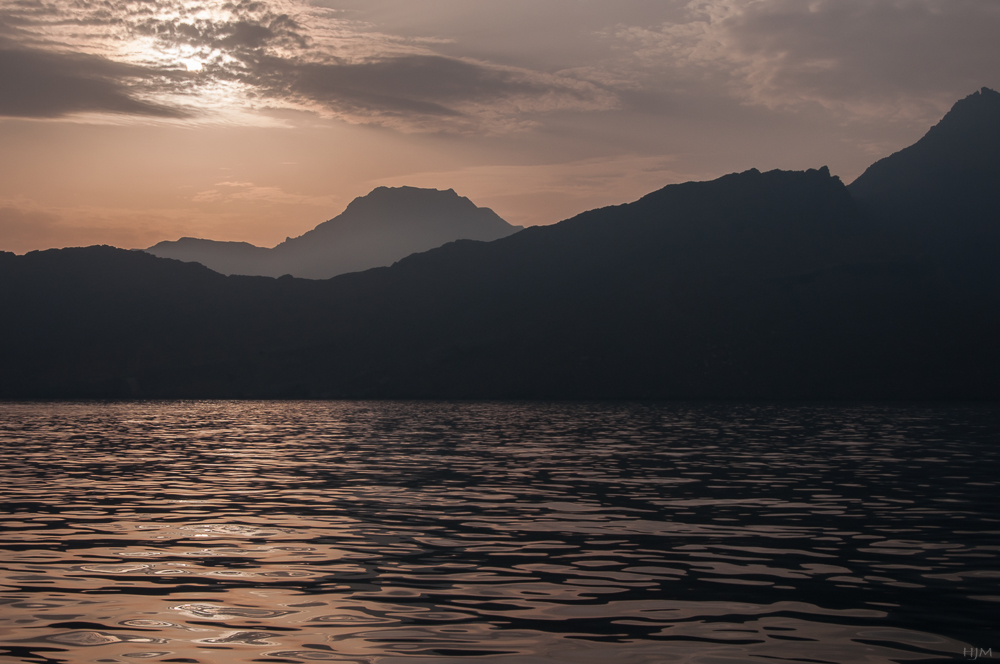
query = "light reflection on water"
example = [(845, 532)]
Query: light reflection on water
[(482, 532)]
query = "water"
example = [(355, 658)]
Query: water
[(478, 532)]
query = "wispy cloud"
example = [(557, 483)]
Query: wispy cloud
[(259, 214), (248, 191), (26, 226)]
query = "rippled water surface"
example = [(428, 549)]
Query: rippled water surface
[(477, 532)]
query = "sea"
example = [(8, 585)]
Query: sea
[(415, 532)]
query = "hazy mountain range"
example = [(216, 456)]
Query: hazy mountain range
[(755, 285), (374, 231)]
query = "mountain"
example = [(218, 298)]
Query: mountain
[(756, 285), (943, 192), (374, 231), (777, 285)]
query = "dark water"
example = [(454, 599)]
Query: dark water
[(419, 532)]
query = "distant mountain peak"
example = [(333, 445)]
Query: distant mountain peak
[(415, 199), (443, 213), (374, 230)]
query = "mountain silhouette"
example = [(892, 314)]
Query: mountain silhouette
[(777, 285), (374, 231), (222, 257)]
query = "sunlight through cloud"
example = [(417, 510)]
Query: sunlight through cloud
[(223, 61)]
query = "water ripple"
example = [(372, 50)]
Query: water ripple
[(381, 532)]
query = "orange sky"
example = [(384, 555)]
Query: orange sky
[(256, 121)]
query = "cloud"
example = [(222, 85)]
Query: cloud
[(861, 59), (238, 61), (40, 84)]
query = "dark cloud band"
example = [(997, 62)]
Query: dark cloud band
[(412, 84), (39, 84)]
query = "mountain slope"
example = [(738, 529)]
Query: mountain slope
[(943, 192), (375, 230)]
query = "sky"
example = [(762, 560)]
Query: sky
[(135, 121)]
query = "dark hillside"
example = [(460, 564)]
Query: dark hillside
[(757, 285)]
